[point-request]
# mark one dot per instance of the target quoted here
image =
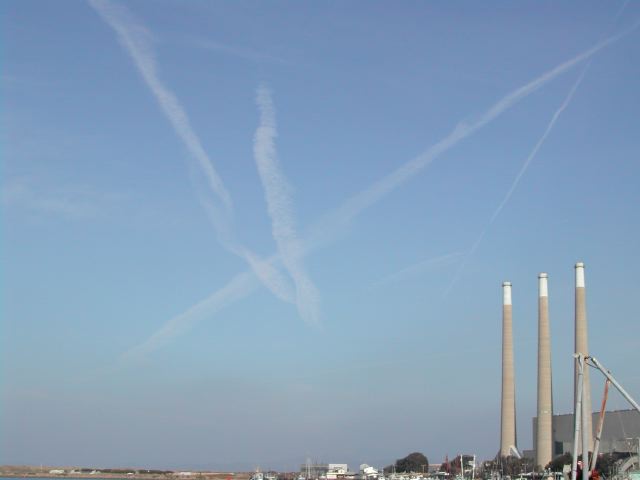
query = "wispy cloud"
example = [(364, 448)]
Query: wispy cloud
[(69, 202), (8, 80), (138, 42), (417, 269), (279, 205), (237, 51), (356, 204)]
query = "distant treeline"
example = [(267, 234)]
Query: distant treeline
[(414, 462)]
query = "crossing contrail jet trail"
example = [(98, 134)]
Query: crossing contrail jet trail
[(525, 165), (356, 204), (280, 208), (137, 41), (516, 181)]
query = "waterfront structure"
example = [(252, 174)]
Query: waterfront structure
[(339, 471), (328, 471), (543, 444), (368, 472), (508, 444), (582, 346)]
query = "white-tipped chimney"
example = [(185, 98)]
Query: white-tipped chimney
[(544, 440), (579, 275), (582, 346), (508, 403), (506, 293)]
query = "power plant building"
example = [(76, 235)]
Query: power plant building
[(620, 433)]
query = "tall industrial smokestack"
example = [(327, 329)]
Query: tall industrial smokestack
[(508, 406), (582, 346), (545, 400)]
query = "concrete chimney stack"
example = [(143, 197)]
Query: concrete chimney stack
[(582, 346), (508, 406), (543, 447)]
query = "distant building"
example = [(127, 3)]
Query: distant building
[(621, 429), (339, 471), (331, 471), (368, 472)]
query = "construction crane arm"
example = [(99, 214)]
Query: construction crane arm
[(593, 362)]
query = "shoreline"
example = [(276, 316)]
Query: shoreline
[(133, 476)]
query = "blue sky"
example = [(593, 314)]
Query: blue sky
[(241, 234)]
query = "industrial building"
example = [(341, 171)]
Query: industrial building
[(621, 432)]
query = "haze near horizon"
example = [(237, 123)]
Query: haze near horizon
[(246, 234)]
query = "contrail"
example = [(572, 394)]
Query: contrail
[(359, 202), (239, 287), (522, 171), (416, 268), (280, 208), (137, 41), (265, 269), (624, 5), (532, 154), (369, 196)]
